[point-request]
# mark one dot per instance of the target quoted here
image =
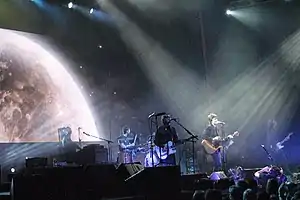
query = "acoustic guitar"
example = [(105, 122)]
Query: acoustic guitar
[(216, 144)]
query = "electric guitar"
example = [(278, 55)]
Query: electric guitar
[(168, 149), (216, 144), (279, 145)]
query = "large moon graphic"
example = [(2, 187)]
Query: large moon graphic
[(37, 93)]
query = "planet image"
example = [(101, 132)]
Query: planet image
[(37, 93)]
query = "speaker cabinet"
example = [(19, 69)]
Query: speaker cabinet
[(125, 171)]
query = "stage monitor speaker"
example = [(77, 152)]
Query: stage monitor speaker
[(125, 171), (156, 181), (216, 176), (248, 174), (36, 162), (196, 182)]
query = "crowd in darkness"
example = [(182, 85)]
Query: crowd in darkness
[(250, 190)]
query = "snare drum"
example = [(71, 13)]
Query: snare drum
[(125, 157)]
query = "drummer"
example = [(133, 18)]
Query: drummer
[(127, 142)]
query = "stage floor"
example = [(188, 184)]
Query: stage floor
[(13, 155)]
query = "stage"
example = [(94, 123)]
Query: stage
[(13, 155)]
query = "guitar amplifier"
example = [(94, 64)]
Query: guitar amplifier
[(93, 154)]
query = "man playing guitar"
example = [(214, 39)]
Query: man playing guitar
[(164, 139), (127, 145), (212, 142)]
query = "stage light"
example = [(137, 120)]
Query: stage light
[(229, 12), (13, 170), (92, 10), (70, 5)]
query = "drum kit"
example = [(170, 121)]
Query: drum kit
[(139, 153)]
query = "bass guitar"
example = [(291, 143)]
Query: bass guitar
[(217, 143)]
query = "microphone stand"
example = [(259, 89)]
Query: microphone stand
[(155, 121), (192, 139), (268, 154), (103, 139), (79, 138), (224, 161)]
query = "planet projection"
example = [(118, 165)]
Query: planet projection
[(37, 93)]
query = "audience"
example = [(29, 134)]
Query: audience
[(199, 195), (249, 194), (272, 187), (243, 185), (235, 193), (263, 195), (212, 194), (250, 190), (252, 184), (296, 196)]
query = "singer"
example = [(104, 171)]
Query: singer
[(214, 140)]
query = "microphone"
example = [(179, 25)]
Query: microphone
[(219, 122), (174, 119), (156, 114)]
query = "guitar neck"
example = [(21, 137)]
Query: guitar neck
[(286, 139)]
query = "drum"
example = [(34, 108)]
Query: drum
[(125, 157), (148, 160)]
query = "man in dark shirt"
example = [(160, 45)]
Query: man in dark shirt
[(127, 142), (209, 133), (165, 134), (68, 146)]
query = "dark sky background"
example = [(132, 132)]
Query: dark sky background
[(121, 91)]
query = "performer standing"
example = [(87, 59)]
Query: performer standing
[(277, 147), (213, 141), (127, 142), (165, 135), (271, 134), (210, 132)]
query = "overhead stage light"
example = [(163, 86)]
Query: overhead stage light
[(229, 12), (70, 5), (92, 10)]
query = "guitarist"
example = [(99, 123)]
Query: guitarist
[(127, 142), (210, 132), (166, 133)]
